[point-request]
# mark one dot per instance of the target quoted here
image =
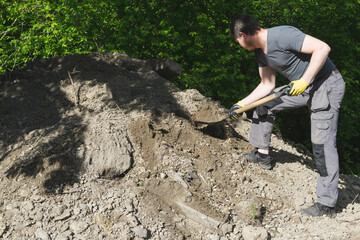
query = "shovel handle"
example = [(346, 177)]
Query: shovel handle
[(264, 100)]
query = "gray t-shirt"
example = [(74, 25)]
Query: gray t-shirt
[(283, 54)]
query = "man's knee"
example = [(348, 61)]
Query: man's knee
[(267, 108)]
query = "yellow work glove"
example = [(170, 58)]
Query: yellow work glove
[(232, 114), (297, 87)]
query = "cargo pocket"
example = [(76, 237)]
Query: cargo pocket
[(320, 100), (320, 123)]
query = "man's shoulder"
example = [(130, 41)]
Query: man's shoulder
[(283, 28), (284, 35)]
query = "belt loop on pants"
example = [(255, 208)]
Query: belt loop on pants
[(334, 72)]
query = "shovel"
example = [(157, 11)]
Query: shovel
[(202, 116), (269, 98)]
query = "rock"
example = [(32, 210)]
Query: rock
[(62, 237), (65, 228), (41, 234), (3, 228), (356, 188), (227, 228), (166, 68), (79, 237), (28, 206), (197, 216), (309, 199), (79, 227), (177, 178), (39, 216), (65, 215), (254, 233), (296, 219), (129, 205), (59, 209), (112, 158), (299, 202), (213, 237), (132, 220), (38, 199), (141, 232), (77, 211)]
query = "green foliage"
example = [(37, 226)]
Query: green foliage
[(41, 29), (195, 34), (254, 211)]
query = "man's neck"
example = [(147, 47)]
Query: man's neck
[(262, 39)]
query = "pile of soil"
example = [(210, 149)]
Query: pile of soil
[(104, 146)]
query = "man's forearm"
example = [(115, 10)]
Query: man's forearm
[(259, 92)]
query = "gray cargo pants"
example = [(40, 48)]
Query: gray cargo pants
[(323, 99)]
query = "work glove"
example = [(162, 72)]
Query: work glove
[(232, 114), (297, 87)]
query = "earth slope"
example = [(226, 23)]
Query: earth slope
[(104, 146)]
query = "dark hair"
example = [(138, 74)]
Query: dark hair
[(244, 23)]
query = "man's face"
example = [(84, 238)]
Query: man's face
[(245, 42)]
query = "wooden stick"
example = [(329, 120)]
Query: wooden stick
[(75, 94), (255, 104), (264, 100), (355, 198), (120, 109)]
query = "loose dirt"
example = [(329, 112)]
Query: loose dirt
[(103, 146)]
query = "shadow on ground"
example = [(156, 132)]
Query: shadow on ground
[(41, 128)]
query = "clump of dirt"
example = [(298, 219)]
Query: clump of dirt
[(105, 145), (209, 114)]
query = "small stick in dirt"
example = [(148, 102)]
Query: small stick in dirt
[(119, 108), (241, 166), (146, 102), (355, 198), (75, 94)]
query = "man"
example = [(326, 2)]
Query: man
[(315, 82)]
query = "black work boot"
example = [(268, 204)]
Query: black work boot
[(264, 160), (319, 209)]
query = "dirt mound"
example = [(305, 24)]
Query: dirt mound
[(104, 146)]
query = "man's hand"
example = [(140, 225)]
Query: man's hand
[(232, 114), (297, 87)]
